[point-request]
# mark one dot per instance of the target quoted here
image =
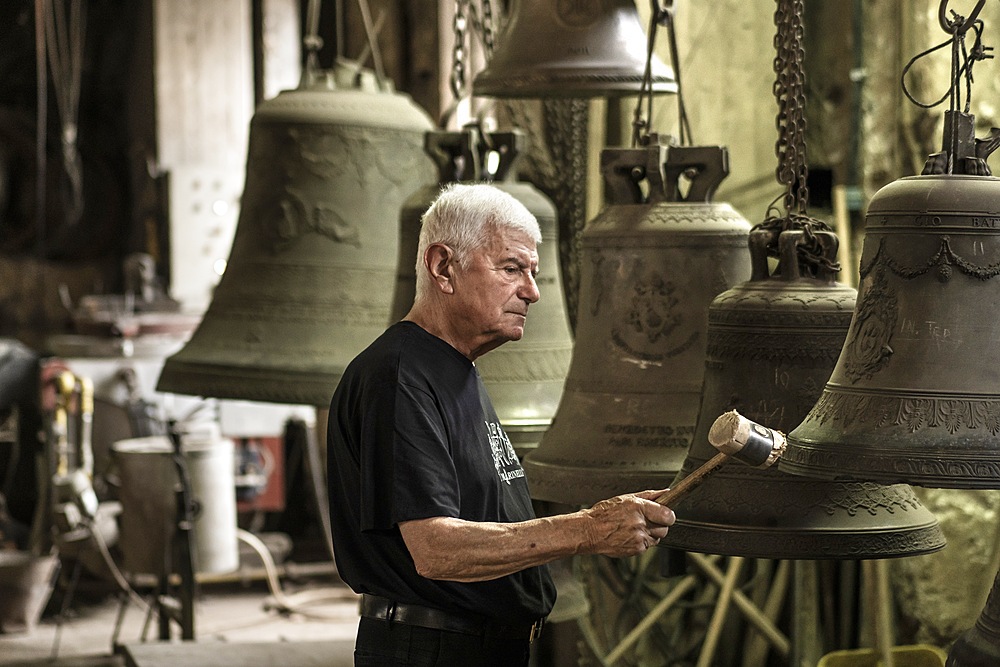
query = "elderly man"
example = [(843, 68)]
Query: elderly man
[(431, 516)]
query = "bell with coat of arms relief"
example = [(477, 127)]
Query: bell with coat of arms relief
[(651, 263)]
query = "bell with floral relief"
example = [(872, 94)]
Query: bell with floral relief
[(772, 344), (915, 395)]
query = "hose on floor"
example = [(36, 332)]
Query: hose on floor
[(294, 603)]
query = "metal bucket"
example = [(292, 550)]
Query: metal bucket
[(149, 512), (26, 582), (917, 655)]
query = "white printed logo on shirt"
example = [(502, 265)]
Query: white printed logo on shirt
[(504, 457)]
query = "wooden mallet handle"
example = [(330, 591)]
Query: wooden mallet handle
[(736, 437)]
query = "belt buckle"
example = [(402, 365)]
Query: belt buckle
[(390, 612), (536, 630)]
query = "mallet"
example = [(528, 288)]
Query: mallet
[(735, 437)]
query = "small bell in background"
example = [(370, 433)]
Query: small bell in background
[(550, 48), (524, 378)]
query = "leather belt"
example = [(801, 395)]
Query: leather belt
[(374, 606)]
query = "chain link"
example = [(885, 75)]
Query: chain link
[(790, 148), (789, 90), (487, 28), (481, 21), (460, 26)]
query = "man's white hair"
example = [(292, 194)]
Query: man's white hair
[(466, 216)]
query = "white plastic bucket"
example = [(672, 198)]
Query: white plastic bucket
[(149, 506)]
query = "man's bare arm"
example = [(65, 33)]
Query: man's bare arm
[(458, 550)]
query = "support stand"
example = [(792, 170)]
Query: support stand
[(180, 554), (729, 594)]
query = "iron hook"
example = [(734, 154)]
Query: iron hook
[(953, 27)]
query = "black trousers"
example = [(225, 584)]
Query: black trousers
[(389, 644)]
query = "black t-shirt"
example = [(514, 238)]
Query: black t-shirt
[(412, 435)]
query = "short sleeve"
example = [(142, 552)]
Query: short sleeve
[(412, 466)]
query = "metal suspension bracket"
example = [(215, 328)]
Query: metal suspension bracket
[(660, 15), (655, 172), (624, 170), (635, 175), (454, 153), (464, 155), (703, 167), (509, 146), (961, 152)]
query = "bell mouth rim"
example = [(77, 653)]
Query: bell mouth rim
[(512, 81), (964, 177), (846, 544)]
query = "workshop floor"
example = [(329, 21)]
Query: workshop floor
[(227, 615)]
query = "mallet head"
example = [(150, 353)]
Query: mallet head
[(746, 440)]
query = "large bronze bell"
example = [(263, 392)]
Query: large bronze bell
[(524, 378), (979, 646), (915, 395), (772, 344), (313, 263), (651, 266), (588, 48)]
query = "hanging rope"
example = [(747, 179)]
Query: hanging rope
[(372, 37), (792, 170), (41, 122), (957, 154), (640, 125), (312, 42), (59, 35), (962, 59)]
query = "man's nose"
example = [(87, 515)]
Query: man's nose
[(529, 290)]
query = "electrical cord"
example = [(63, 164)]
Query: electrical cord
[(119, 577)]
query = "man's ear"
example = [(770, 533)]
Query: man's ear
[(439, 260)]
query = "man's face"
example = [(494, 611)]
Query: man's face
[(493, 293)]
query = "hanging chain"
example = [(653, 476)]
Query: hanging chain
[(487, 28), (460, 25), (790, 148), (468, 21)]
